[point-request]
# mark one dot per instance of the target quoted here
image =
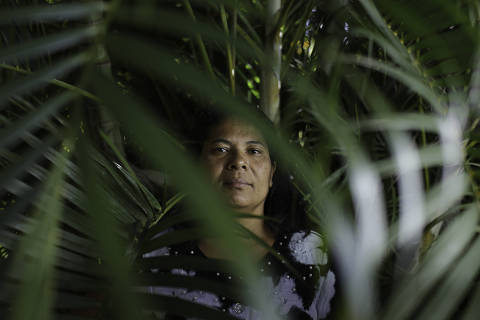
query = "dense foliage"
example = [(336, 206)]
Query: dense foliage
[(376, 104)]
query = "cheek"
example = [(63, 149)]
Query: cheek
[(266, 173), (214, 168)]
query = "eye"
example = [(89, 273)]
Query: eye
[(254, 151), (220, 149)]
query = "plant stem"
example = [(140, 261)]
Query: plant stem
[(59, 83), (230, 50), (199, 40), (424, 142), (272, 62), (108, 123)]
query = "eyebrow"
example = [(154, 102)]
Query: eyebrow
[(229, 143)]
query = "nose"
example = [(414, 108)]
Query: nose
[(237, 161)]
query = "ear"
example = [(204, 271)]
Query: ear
[(272, 172)]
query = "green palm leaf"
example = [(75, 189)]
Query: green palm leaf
[(389, 88)]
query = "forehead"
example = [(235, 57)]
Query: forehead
[(235, 129)]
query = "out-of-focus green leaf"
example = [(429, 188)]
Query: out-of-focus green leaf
[(51, 13), (437, 262), (40, 78), (37, 302), (43, 45), (33, 119)]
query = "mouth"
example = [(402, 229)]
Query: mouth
[(236, 184)]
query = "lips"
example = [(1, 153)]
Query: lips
[(236, 183)]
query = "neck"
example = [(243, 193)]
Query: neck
[(210, 248)]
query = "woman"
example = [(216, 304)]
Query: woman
[(239, 163)]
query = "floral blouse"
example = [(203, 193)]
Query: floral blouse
[(306, 295)]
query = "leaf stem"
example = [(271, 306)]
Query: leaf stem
[(56, 82), (230, 52), (199, 40)]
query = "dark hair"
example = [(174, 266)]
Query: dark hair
[(283, 203)]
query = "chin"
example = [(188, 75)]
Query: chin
[(238, 203)]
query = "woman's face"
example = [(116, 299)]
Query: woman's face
[(238, 162)]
